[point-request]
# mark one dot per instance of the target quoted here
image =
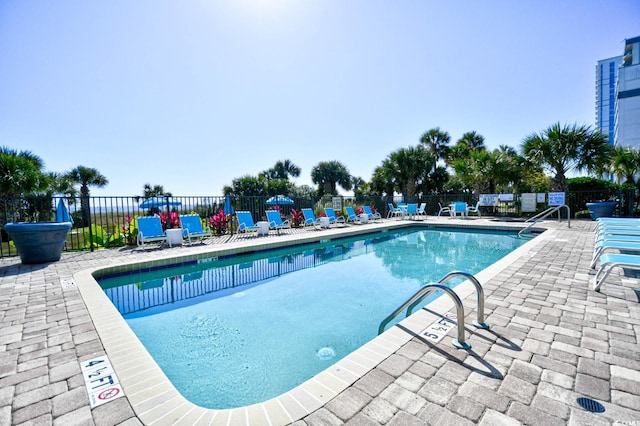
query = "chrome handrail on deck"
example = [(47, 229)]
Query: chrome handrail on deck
[(479, 323), (425, 291), (544, 214)]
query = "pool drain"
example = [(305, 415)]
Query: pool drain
[(590, 405), (326, 353)]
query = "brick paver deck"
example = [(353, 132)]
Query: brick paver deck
[(552, 341)]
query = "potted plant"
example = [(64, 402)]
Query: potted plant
[(601, 209), (38, 242)]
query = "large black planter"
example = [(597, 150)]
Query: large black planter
[(38, 242), (601, 209)]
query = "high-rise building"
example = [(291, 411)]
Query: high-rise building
[(606, 80), (627, 127), (618, 96)]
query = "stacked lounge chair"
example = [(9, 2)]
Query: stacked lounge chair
[(615, 234)]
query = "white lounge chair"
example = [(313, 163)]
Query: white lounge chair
[(475, 209), (445, 209), (393, 211)]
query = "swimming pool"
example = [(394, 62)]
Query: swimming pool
[(190, 306)]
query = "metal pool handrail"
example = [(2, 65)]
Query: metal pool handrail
[(544, 214), (479, 323), (425, 291)]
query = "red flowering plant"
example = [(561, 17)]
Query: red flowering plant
[(219, 222), (297, 218), (359, 210), (173, 217), (129, 230)]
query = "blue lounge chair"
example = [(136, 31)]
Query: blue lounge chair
[(333, 218), (412, 210), (310, 218), (150, 230), (393, 211), (617, 234), (351, 215), (245, 222), (372, 216), (275, 221), (609, 261), (458, 207), (402, 209), (602, 246), (192, 228)]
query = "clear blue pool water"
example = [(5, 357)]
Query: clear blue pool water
[(237, 331)]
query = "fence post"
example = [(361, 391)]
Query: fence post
[(88, 213)]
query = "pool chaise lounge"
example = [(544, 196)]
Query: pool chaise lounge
[(372, 216), (192, 228), (245, 222), (275, 221), (333, 218), (310, 218), (617, 233), (605, 245), (351, 215), (150, 231), (609, 261)]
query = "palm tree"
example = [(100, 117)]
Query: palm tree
[(625, 164), (21, 173), (564, 148), (328, 174), (247, 186), (468, 143), (488, 171), (410, 170), (149, 191), (285, 169), (382, 181), (86, 177), (437, 142), (359, 185)]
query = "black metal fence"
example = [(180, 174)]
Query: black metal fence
[(106, 222)]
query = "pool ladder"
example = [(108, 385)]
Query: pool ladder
[(425, 291)]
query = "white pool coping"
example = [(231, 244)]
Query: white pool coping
[(156, 401)]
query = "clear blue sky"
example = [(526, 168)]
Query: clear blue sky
[(190, 94)]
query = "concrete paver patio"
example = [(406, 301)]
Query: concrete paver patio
[(552, 341)]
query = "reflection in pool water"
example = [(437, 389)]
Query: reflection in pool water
[(237, 331)]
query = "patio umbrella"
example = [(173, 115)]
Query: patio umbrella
[(228, 208), (62, 212), (278, 200), (159, 202)]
